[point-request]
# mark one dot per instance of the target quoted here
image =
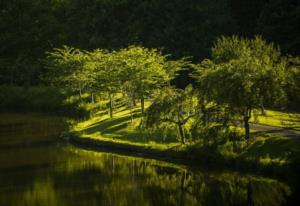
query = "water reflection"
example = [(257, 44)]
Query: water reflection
[(60, 174)]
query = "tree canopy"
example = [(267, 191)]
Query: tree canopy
[(243, 75)]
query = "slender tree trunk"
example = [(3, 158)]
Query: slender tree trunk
[(247, 128), (110, 106), (204, 115), (246, 124), (263, 112), (80, 92), (181, 133), (142, 105), (131, 112), (182, 187), (250, 201), (92, 98), (133, 101)]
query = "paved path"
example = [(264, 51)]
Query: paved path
[(276, 130)]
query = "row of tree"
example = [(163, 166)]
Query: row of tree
[(242, 77), (134, 71)]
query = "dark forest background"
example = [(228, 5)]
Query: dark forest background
[(28, 29)]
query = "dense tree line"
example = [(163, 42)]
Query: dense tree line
[(180, 27)]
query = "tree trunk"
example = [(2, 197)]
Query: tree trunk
[(204, 115), (182, 188), (142, 105), (131, 112), (246, 123), (263, 112), (250, 201), (80, 92), (92, 98), (133, 101), (247, 128), (181, 133), (110, 106)]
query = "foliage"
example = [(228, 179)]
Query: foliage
[(243, 75), (173, 106), (66, 68), (135, 71), (292, 87), (44, 99)]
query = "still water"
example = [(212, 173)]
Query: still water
[(38, 168)]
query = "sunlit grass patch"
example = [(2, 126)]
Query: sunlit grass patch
[(278, 119), (123, 128)]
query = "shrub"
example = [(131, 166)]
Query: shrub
[(44, 99)]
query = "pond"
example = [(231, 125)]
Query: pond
[(37, 167)]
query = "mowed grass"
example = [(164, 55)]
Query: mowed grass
[(267, 148), (279, 119), (123, 128)]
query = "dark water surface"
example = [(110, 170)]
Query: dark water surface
[(38, 168)]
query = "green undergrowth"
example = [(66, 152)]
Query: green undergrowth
[(265, 151), (46, 100)]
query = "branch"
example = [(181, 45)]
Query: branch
[(187, 119), (169, 120)]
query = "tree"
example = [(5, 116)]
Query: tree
[(67, 68), (142, 71), (244, 75), (106, 73), (173, 106), (292, 86)]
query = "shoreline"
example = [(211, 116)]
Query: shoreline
[(281, 172)]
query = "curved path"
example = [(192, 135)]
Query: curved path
[(279, 131)]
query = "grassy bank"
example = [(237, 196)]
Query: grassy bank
[(266, 153)]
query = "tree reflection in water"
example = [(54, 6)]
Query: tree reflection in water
[(79, 177), (49, 172)]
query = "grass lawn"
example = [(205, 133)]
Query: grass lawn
[(279, 119), (267, 148), (122, 130)]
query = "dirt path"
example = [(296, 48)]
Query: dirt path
[(276, 130)]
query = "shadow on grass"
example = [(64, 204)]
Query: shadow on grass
[(119, 128), (274, 148), (107, 124)]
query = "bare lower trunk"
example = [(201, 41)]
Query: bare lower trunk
[(263, 112), (182, 187), (247, 117), (142, 105), (247, 128), (133, 101), (250, 201), (80, 92), (110, 106), (204, 115), (181, 133), (131, 112), (92, 98)]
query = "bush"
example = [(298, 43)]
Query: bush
[(44, 99)]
